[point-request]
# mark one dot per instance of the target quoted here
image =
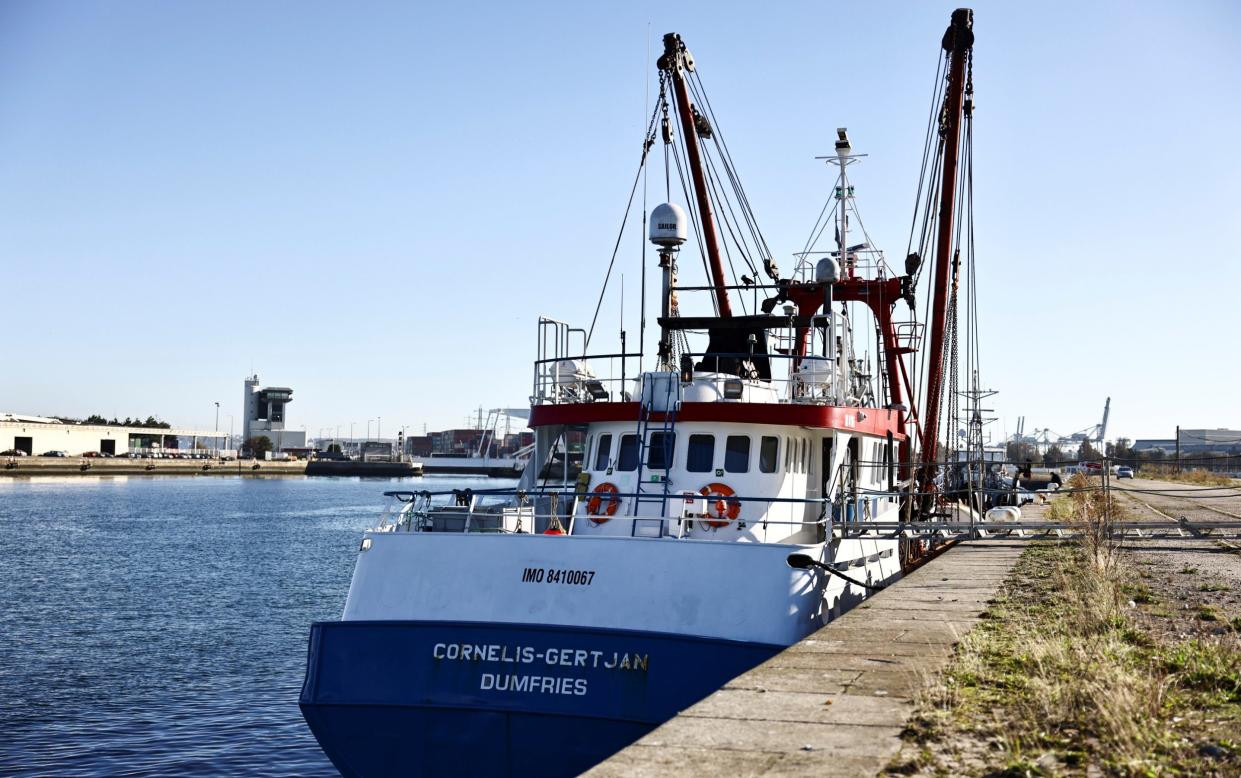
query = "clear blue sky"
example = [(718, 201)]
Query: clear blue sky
[(371, 203)]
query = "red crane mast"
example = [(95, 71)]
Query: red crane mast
[(958, 41), (674, 60)]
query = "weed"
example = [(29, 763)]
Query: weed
[(1204, 666), (1139, 593), (1188, 476), (1214, 587)]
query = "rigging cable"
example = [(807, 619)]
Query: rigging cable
[(726, 157), (647, 143)]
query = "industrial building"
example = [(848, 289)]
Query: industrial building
[(1219, 441), (36, 435), (264, 416)]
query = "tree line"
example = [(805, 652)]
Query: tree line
[(150, 422)]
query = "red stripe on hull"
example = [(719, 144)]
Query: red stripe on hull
[(872, 421)]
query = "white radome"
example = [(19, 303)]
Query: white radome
[(669, 225), (827, 271)]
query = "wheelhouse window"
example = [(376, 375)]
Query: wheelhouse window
[(737, 454), (769, 454), (659, 454), (603, 452), (627, 457), (788, 455), (701, 455)]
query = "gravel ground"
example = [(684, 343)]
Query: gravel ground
[(1196, 583)]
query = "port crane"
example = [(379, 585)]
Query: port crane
[(1043, 439)]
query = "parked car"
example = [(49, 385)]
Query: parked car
[(91, 454), (14, 452), (54, 454), (1124, 472)]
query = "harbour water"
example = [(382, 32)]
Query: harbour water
[(158, 626)]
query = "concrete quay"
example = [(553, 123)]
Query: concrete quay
[(835, 703), (36, 467)]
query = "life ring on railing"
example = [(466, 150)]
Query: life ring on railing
[(595, 506), (720, 509)]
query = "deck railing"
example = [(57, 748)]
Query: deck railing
[(603, 378), (416, 508)]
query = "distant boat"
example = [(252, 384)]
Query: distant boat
[(496, 467), (480, 461)]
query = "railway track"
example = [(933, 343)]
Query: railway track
[(1174, 501)]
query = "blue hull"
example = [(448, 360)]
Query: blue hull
[(461, 698)]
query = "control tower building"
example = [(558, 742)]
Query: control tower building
[(265, 415)]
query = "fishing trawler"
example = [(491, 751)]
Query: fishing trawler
[(725, 506)]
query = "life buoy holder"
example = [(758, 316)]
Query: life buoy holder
[(720, 509), (595, 507)]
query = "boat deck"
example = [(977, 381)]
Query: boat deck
[(836, 702)]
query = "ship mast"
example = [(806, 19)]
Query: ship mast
[(958, 41), (676, 59)]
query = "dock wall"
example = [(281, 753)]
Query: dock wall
[(28, 467), (836, 702)]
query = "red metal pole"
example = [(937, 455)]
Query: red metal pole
[(672, 61), (958, 40)]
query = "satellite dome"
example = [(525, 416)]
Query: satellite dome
[(669, 225), (827, 271)]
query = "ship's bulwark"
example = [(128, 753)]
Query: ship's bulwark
[(461, 698)]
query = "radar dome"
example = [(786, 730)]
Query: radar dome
[(669, 226), (827, 271)]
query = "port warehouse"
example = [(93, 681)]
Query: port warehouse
[(1194, 441), (37, 434)]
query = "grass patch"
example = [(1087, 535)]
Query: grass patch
[(1062, 673), (1204, 667), (1214, 587), (1140, 593), (1185, 475)]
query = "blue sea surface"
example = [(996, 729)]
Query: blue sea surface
[(158, 626)]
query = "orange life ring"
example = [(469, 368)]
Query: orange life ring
[(719, 506), (595, 504)]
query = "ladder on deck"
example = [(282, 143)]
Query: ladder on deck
[(648, 427)]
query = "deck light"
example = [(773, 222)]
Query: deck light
[(687, 369), (733, 388)]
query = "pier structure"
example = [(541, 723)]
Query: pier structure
[(836, 702)]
